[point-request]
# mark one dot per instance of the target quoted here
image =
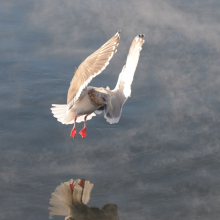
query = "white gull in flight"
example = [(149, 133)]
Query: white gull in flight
[(84, 102)]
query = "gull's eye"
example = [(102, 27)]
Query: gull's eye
[(103, 99)]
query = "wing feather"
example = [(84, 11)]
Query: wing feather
[(91, 67), (123, 87)]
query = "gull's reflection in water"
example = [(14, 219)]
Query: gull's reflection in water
[(70, 199)]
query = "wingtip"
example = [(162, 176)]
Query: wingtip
[(118, 33), (140, 38)]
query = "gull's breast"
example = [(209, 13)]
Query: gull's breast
[(84, 106)]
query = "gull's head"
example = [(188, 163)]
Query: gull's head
[(106, 98)]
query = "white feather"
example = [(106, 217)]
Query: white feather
[(122, 89), (71, 103), (59, 112), (61, 200), (81, 118)]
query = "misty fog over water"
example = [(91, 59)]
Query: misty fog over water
[(161, 161)]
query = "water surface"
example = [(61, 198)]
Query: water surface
[(161, 161)]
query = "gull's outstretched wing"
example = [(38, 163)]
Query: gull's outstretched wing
[(91, 67), (123, 87)]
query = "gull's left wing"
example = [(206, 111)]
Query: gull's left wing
[(123, 87)]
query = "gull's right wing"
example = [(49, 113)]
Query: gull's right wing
[(91, 67)]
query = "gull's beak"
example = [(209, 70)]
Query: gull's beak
[(111, 106)]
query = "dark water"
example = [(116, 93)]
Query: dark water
[(161, 161)]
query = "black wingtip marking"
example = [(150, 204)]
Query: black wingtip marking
[(141, 35)]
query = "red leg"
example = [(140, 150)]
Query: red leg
[(73, 132), (83, 131)]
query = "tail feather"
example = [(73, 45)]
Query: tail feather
[(81, 118), (61, 200), (59, 112)]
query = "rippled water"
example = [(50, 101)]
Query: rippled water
[(161, 161)]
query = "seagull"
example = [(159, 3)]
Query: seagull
[(70, 199), (84, 102)]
